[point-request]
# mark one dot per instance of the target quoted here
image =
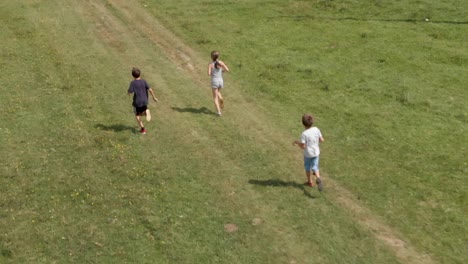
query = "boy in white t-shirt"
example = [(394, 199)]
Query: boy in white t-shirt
[(310, 139)]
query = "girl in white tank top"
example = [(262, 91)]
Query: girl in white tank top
[(215, 71)]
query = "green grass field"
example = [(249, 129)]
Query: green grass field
[(388, 89)]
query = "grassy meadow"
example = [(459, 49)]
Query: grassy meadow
[(388, 90)]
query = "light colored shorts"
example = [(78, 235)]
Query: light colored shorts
[(217, 84), (311, 163)]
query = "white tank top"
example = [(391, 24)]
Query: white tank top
[(216, 73)]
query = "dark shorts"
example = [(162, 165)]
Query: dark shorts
[(140, 110)]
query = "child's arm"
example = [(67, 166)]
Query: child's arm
[(223, 65), (299, 144), (209, 69), (321, 139), (152, 94)]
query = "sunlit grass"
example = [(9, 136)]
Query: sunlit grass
[(79, 184)]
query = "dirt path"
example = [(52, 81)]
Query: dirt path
[(114, 17), (384, 233)]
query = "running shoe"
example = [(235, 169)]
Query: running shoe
[(319, 184)]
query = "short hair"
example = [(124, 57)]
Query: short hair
[(214, 55), (307, 120), (136, 72)]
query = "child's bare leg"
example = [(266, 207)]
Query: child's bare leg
[(216, 99), (220, 100), (309, 180), (317, 174), (140, 123)]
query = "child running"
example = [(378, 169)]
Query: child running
[(139, 88), (215, 70), (310, 139)]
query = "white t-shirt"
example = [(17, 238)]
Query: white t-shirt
[(311, 138)]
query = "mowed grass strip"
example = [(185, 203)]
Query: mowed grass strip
[(80, 185)]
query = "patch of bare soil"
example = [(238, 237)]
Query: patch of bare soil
[(230, 228), (257, 221)]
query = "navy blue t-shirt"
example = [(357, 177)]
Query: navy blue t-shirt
[(139, 88)]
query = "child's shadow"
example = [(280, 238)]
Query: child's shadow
[(115, 128), (280, 183), (201, 110)]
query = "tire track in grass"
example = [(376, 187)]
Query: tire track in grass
[(188, 61), (384, 233)]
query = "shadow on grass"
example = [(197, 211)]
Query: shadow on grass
[(115, 128), (280, 183), (201, 110)]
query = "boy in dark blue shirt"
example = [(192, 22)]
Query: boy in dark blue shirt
[(139, 88)]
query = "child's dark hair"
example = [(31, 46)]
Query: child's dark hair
[(307, 120), (136, 72), (214, 55)]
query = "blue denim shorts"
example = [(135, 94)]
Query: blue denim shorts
[(311, 163)]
